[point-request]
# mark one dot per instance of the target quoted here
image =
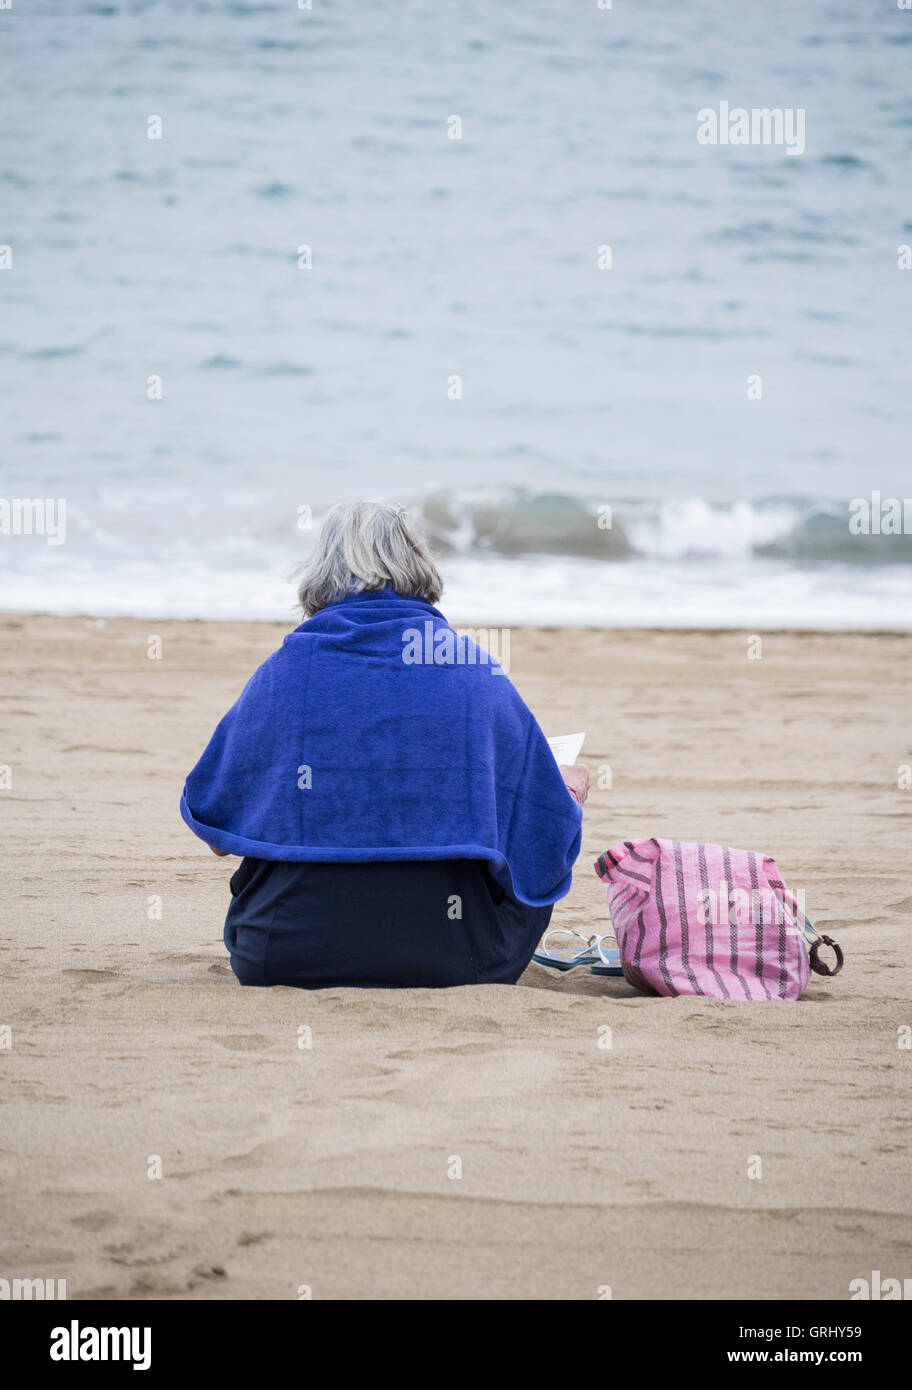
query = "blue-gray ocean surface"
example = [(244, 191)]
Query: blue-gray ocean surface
[(583, 388)]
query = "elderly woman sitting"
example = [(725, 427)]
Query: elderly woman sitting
[(401, 817)]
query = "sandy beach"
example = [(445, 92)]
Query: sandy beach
[(287, 1168)]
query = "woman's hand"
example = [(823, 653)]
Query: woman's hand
[(222, 853), (577, 780)]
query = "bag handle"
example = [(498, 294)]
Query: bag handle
[(820, 966), (815, 940)]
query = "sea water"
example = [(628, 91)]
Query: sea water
[(473, 258)]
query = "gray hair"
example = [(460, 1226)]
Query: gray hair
[(367, 546)]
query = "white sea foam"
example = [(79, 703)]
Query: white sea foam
[(534, 590)]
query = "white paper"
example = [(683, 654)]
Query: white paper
[(566, 748)]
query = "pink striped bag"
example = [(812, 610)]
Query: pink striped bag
[(707, 919)]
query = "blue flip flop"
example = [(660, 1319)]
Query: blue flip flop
[(609, 962), (582, 950)]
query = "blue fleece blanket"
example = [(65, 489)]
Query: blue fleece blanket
[(376, 732)]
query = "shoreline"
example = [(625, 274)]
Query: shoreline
[(477, 623)]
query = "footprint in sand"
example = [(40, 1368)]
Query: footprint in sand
[(93, 977), (472, 1048), (93, 1220)]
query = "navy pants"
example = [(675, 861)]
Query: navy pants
[(393, 925)]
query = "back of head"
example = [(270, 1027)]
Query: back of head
[(363, 547)]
